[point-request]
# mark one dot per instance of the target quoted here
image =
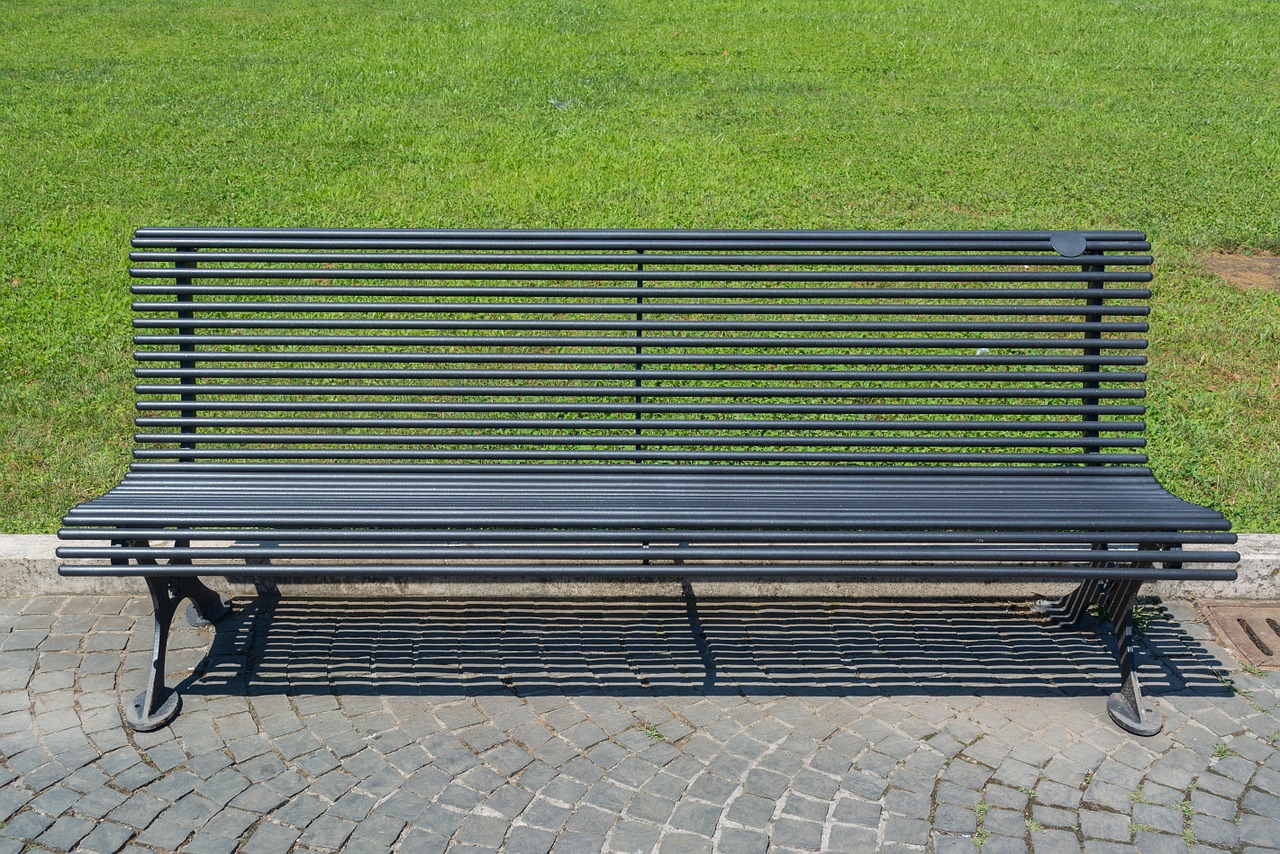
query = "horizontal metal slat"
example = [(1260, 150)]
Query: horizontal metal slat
[(634, 571), (653, 438), (736, 456), (558, 275), (643, 535), (534, 291), (623, 256), (621, 340), (443, 349), (205, 404), (649, 437), (681, 309), (624, 422), (775, 468), (564, 316), (654, 375), (656, 359), (626, 391), (653, 552), (625, 234)]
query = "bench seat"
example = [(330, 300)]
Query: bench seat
[(816, 522)]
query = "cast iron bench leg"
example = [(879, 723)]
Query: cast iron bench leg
[(1115, 598), (1127, 707), (158, 705)]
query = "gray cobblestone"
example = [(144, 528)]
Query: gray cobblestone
[(1055, 842), (1165, 819), (270, 838), (912, 831), (1104, 826), (1159, 843), (106, 838), (65, 833), (330, 833), (164, 834)]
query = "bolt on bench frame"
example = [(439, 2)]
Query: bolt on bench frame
[(489, 404)]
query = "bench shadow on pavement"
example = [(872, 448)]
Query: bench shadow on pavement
[(670, 647)]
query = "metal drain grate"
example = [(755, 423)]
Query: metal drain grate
[(1251, 629)]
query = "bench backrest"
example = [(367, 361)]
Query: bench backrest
[(394, 347)]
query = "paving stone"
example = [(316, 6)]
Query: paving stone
[(748, 810), (1260, 802), (529, 840), (697, 818), (952, 793), (948, 845), (741, 841), (1259, 830), (591, 821), (139, 811), (106, 838), (1217, 784), (65, 833), (1054, 816), (300, 811), (1005, 822), (1104, 825), (1163, 819), (1108, 796), (164, 834), (376, 831), (271, 838), (1214, 831), (544, 814), (27, 825), (484, 831), (1148, 842), (330, 833), (953, 819), (1094, 846), (571, 842), (912, 831), (56, 801), (1055, 842), (865, 786), (221, 833)]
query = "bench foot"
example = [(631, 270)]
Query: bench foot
[(140, 720), (1134, 714)]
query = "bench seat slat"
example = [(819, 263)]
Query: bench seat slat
[(822, 500), (507, 572)]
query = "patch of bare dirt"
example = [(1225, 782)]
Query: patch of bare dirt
[(1247, 272)]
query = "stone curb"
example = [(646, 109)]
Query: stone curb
[(28, 567)]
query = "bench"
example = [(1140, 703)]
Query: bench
[(494, 404)]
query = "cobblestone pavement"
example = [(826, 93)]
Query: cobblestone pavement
[(611, 726)]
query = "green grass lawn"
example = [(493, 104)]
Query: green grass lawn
[(1162, 115)]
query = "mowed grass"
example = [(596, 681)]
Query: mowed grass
[(1162, 115)]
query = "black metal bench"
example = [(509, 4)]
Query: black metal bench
[(631, 403)]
